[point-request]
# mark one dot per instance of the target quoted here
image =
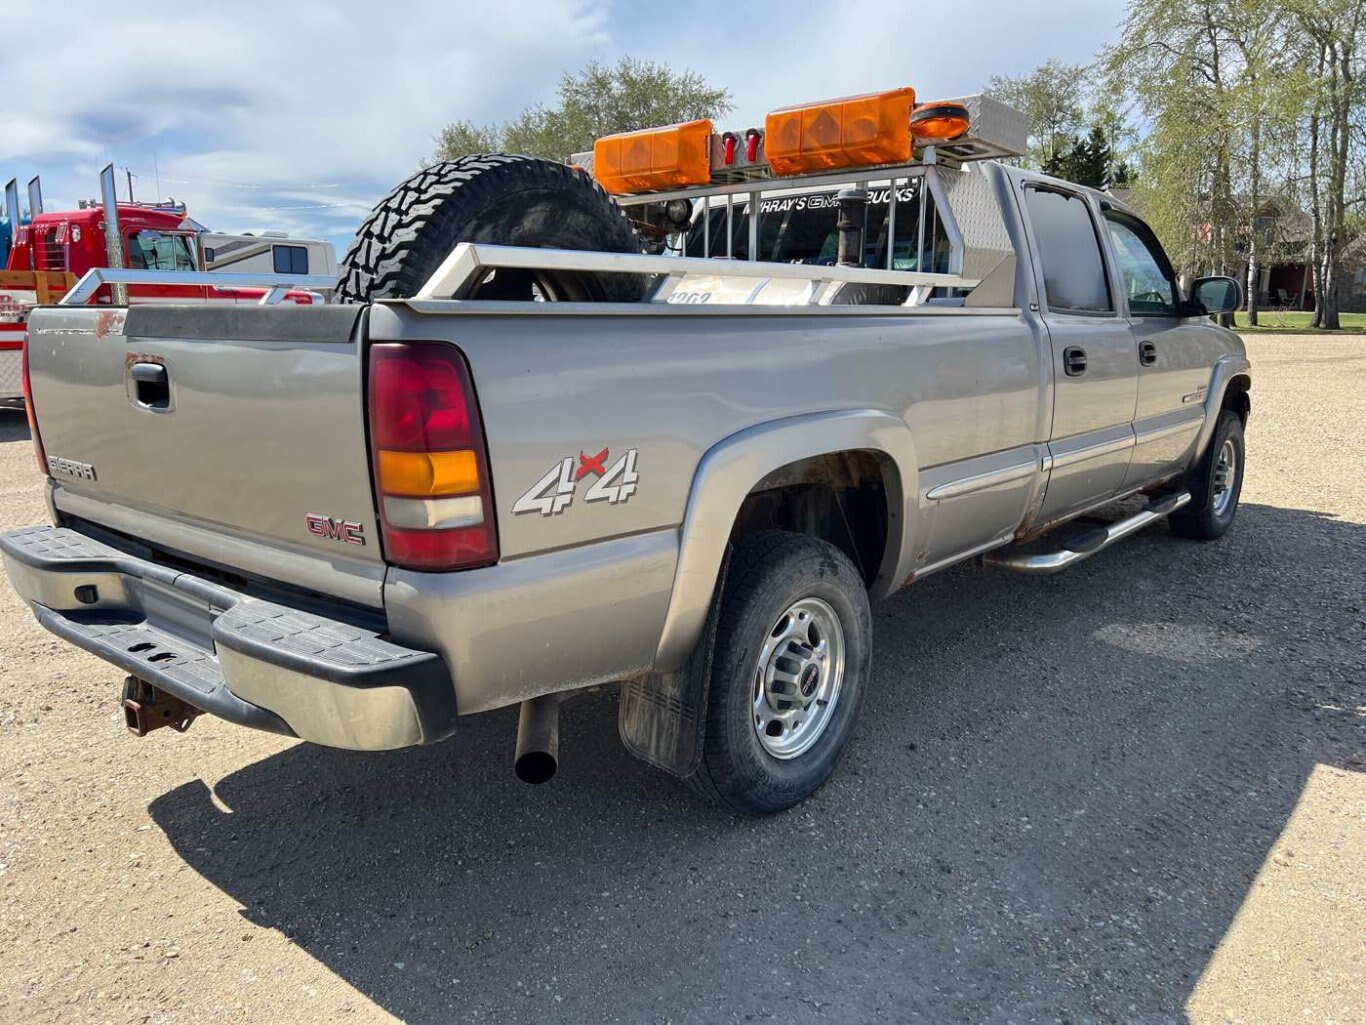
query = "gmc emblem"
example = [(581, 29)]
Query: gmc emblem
[(348, 531)]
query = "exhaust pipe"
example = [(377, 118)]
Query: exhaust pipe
[(113, 241), (538, 739)]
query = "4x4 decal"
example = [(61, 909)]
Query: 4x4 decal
[(553, 493)]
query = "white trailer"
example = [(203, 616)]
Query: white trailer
[(270, 252)]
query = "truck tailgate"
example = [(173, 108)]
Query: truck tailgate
[(236, 434)]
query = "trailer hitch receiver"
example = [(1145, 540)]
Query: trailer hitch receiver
[(145, 708)]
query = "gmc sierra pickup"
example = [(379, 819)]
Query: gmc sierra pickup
[(498, 475)]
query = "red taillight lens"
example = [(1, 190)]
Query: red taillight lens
[(431, 471), (32, 414)]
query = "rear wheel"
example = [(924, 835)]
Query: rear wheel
[(1215, 485), (497, 199), (789, 671)]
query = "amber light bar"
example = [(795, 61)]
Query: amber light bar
[(674, 156), (850, 132)]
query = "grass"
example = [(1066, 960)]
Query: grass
[(1297, 322)]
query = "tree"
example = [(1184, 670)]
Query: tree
[(1052, 100), (597, 101), (1073, 130), (1089, 160), (1192, 66), (1333, 36)]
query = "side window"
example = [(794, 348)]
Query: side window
[(158, 250), (1073, 270), (290, 259), (1147, 274)]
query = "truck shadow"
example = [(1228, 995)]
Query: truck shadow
[(1058, 799)]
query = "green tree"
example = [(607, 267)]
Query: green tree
[(596, 101), (1053, 101), (1089, 160), (1332, 37)]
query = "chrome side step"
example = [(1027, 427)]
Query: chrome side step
[(1087, 544)]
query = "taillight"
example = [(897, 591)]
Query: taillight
[(431, 470), (32, 415)]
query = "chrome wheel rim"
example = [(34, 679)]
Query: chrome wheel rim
[(1225, 472), (798, 678)]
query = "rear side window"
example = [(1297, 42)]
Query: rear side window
[(291, 259), (1069, 250)]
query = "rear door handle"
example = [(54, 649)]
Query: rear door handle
[(1147, 354), (1074, 361)]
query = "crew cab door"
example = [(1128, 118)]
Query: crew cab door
[(1095, 379), (1175, 350)]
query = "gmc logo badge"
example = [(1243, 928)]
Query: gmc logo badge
[(348, 531)]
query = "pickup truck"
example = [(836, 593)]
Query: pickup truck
[(499, 474)]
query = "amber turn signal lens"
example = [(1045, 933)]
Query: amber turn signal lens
[(850, 132), (674, 156), (428, 473), (939, 122)]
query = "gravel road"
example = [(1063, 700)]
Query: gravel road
[(1135, 792)]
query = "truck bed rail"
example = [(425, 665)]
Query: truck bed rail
[(277, 285), (469, 262)]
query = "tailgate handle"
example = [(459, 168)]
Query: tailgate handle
[(152, 385)]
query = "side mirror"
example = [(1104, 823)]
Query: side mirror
[(1217, 295)]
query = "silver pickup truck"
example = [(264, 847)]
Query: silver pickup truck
[(498, 474)]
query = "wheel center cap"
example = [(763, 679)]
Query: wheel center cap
[(811, 678)]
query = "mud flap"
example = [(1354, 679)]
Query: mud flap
[(662, 717)]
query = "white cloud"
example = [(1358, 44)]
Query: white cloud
[(270, 95), (319, 108)]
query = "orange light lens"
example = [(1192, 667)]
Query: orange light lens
[(428, 473), (939, 122), (657, 158), (849, 132)]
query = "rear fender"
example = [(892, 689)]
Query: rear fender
[(730, 470)]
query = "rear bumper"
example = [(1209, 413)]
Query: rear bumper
[(247, 660)]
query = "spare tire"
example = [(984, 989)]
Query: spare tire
[(498, 199)]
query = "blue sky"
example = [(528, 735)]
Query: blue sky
[(299, 116)]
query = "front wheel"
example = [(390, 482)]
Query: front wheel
[(1215, 485), (789, 671)]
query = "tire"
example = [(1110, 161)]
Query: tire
[(497, 199), (1215, 487), (769, 575)]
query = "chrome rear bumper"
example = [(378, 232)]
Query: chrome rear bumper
[(239, 657)]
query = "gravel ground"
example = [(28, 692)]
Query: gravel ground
[(1135, 792)]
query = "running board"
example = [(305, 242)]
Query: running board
[(1088, 544)]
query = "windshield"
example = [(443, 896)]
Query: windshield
[(801, 229), (160, 250)]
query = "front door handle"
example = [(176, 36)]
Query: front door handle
[(1147, 354), (1074, 361)]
